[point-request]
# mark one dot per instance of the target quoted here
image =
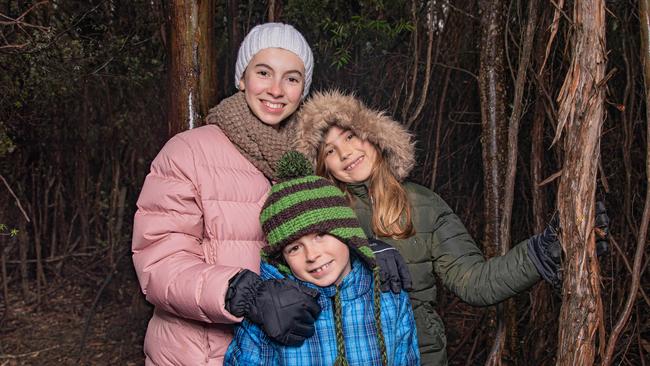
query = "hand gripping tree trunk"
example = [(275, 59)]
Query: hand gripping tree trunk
[(581, 115), (192, 63)]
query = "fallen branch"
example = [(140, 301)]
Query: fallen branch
[(28, 354)]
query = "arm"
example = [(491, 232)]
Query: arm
[(250, 346), (406, 347), (464, 270), (167, 234)]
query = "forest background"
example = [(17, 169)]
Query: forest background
[(91, 90)]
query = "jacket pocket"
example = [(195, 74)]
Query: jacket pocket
[(431, 330)]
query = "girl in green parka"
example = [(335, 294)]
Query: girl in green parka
[(368, 155)]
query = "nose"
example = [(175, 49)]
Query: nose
[(345, 152), (275, 89), (312, 252)]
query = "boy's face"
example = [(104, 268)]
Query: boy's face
[(273, 83), (319, 259)]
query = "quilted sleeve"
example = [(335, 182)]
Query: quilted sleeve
[(465, 271), (167, 234)]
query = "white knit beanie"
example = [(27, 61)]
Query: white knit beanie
[(274, 35)]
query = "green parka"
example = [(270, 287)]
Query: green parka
[(441, 246)]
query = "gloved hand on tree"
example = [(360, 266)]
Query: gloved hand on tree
[(545, 249)]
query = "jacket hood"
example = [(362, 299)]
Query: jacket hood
[(333, 108)]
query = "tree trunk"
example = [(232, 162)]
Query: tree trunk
[(192, 58), (494, 140), (581, 109), (234, 40), (541, 311), (542, 325)]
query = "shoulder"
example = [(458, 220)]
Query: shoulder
[(188, 143), (199, 146), (420, 195), (204, 137)]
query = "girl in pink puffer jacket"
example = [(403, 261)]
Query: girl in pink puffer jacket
[(196, 234)]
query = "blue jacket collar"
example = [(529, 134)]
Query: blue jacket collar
[(355, 284)]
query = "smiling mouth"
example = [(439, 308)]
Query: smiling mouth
[(273, 105), (355, 163), (321, 268)]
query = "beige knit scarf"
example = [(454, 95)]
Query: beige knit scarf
[(260, 143)]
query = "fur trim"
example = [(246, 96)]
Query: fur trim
[(333, 108)]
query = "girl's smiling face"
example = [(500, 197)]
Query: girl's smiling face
[(348, 158), (273, 83)]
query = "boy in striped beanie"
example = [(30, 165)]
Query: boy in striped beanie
[(315, 239)]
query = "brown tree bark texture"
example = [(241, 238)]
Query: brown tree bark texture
[(581, 111), (192, 58), (494, 145)]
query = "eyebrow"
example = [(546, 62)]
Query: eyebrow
[(287, 72), (337, 137)]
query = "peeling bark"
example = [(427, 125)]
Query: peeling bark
[(581, 111)]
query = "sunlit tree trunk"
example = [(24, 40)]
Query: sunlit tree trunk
[(192, 62), (580, 114)]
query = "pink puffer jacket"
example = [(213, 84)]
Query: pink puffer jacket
[(195, 228)]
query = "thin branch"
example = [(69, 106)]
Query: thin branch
[(15, 198), (628, 267), (19, 21), (554, 27), (427, 71), (644, 19)]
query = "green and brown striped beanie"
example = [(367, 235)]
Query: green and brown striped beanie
[(303, 203)]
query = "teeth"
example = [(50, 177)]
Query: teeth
[(273, 105), (354, 164), (321, 268)]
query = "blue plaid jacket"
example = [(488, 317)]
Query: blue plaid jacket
[(251, 346)]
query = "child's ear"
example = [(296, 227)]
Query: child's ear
[(242, 84)]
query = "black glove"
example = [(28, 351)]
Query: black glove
[(545, 251), (602, 229), (284, 309), (393, 272)]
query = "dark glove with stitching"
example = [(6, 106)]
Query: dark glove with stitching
[(545, 251), (284, 309), (393, 271)]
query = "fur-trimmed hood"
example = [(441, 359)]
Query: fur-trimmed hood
[(333, 108)]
